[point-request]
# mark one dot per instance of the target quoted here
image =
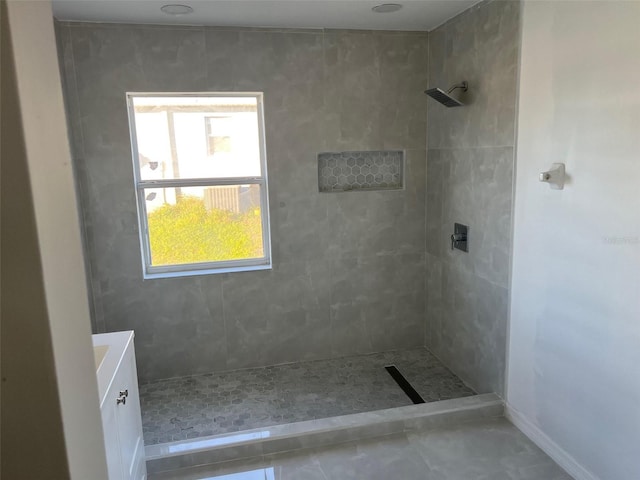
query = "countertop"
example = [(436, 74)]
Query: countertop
[(118, 342)]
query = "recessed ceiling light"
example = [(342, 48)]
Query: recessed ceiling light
[(176, 9), (387, 8)]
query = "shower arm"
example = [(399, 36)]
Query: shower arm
[(464, 86)]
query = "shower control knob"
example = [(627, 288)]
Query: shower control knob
[(459, 238), (124, 393), (122, 399)]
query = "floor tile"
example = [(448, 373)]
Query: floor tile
[(203, 405), (392, 457), (490, 449), (483, 450)]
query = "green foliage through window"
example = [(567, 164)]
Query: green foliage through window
[(186, 232)]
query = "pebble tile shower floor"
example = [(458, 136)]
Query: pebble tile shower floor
[(211, 404)]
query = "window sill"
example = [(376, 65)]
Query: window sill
[(208, 271)]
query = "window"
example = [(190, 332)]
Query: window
[(200, 216), (218, 134)]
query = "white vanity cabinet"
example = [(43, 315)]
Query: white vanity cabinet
[(120, 405)]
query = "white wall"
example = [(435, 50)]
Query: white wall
[(52, 337), (574, 353)]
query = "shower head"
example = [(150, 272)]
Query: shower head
[(444, 97)]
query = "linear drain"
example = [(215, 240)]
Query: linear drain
[(404, 384)]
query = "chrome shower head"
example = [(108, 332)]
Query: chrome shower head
[(444, 97)]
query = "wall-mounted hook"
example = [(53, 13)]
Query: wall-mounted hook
[(554, 177)]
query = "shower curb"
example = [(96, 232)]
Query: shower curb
[(260, 442)]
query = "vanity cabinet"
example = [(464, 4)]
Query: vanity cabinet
[(120, 406)]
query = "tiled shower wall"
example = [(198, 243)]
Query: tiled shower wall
[(349, 268), (469, 181)]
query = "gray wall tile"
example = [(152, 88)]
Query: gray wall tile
[(470, 181), (68, 78), (377, 303), (324, 91), (176, 328), (269, 339), (477, 191), (479, 46), (436, 170), (469, 333)]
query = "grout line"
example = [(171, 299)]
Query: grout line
[(472, 147)]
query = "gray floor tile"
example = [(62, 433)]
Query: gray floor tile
[(483, 450), (392, 457), (203, 405), (301, 466)]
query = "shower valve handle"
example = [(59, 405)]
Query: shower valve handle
[(457, 237)]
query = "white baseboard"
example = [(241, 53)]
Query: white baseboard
[(548, 446)]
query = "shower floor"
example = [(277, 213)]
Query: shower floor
[(211, 404)]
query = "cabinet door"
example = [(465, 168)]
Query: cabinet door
[(111, 439), (129, 420)]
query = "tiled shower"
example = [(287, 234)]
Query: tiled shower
[(360, 280)]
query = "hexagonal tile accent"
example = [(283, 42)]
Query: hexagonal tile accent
[(216, 403), (353, 170)]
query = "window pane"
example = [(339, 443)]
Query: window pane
[(197, 137), (204, 224)]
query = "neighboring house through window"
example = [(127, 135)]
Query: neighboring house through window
[(197, 215), (218, 134)]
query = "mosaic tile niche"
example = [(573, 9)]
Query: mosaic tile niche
[(372, 170)]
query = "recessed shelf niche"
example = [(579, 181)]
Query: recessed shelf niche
[(362, 170)]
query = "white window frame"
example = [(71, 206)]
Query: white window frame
[(203, 268)]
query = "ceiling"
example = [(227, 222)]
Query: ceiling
[(352, 14)]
